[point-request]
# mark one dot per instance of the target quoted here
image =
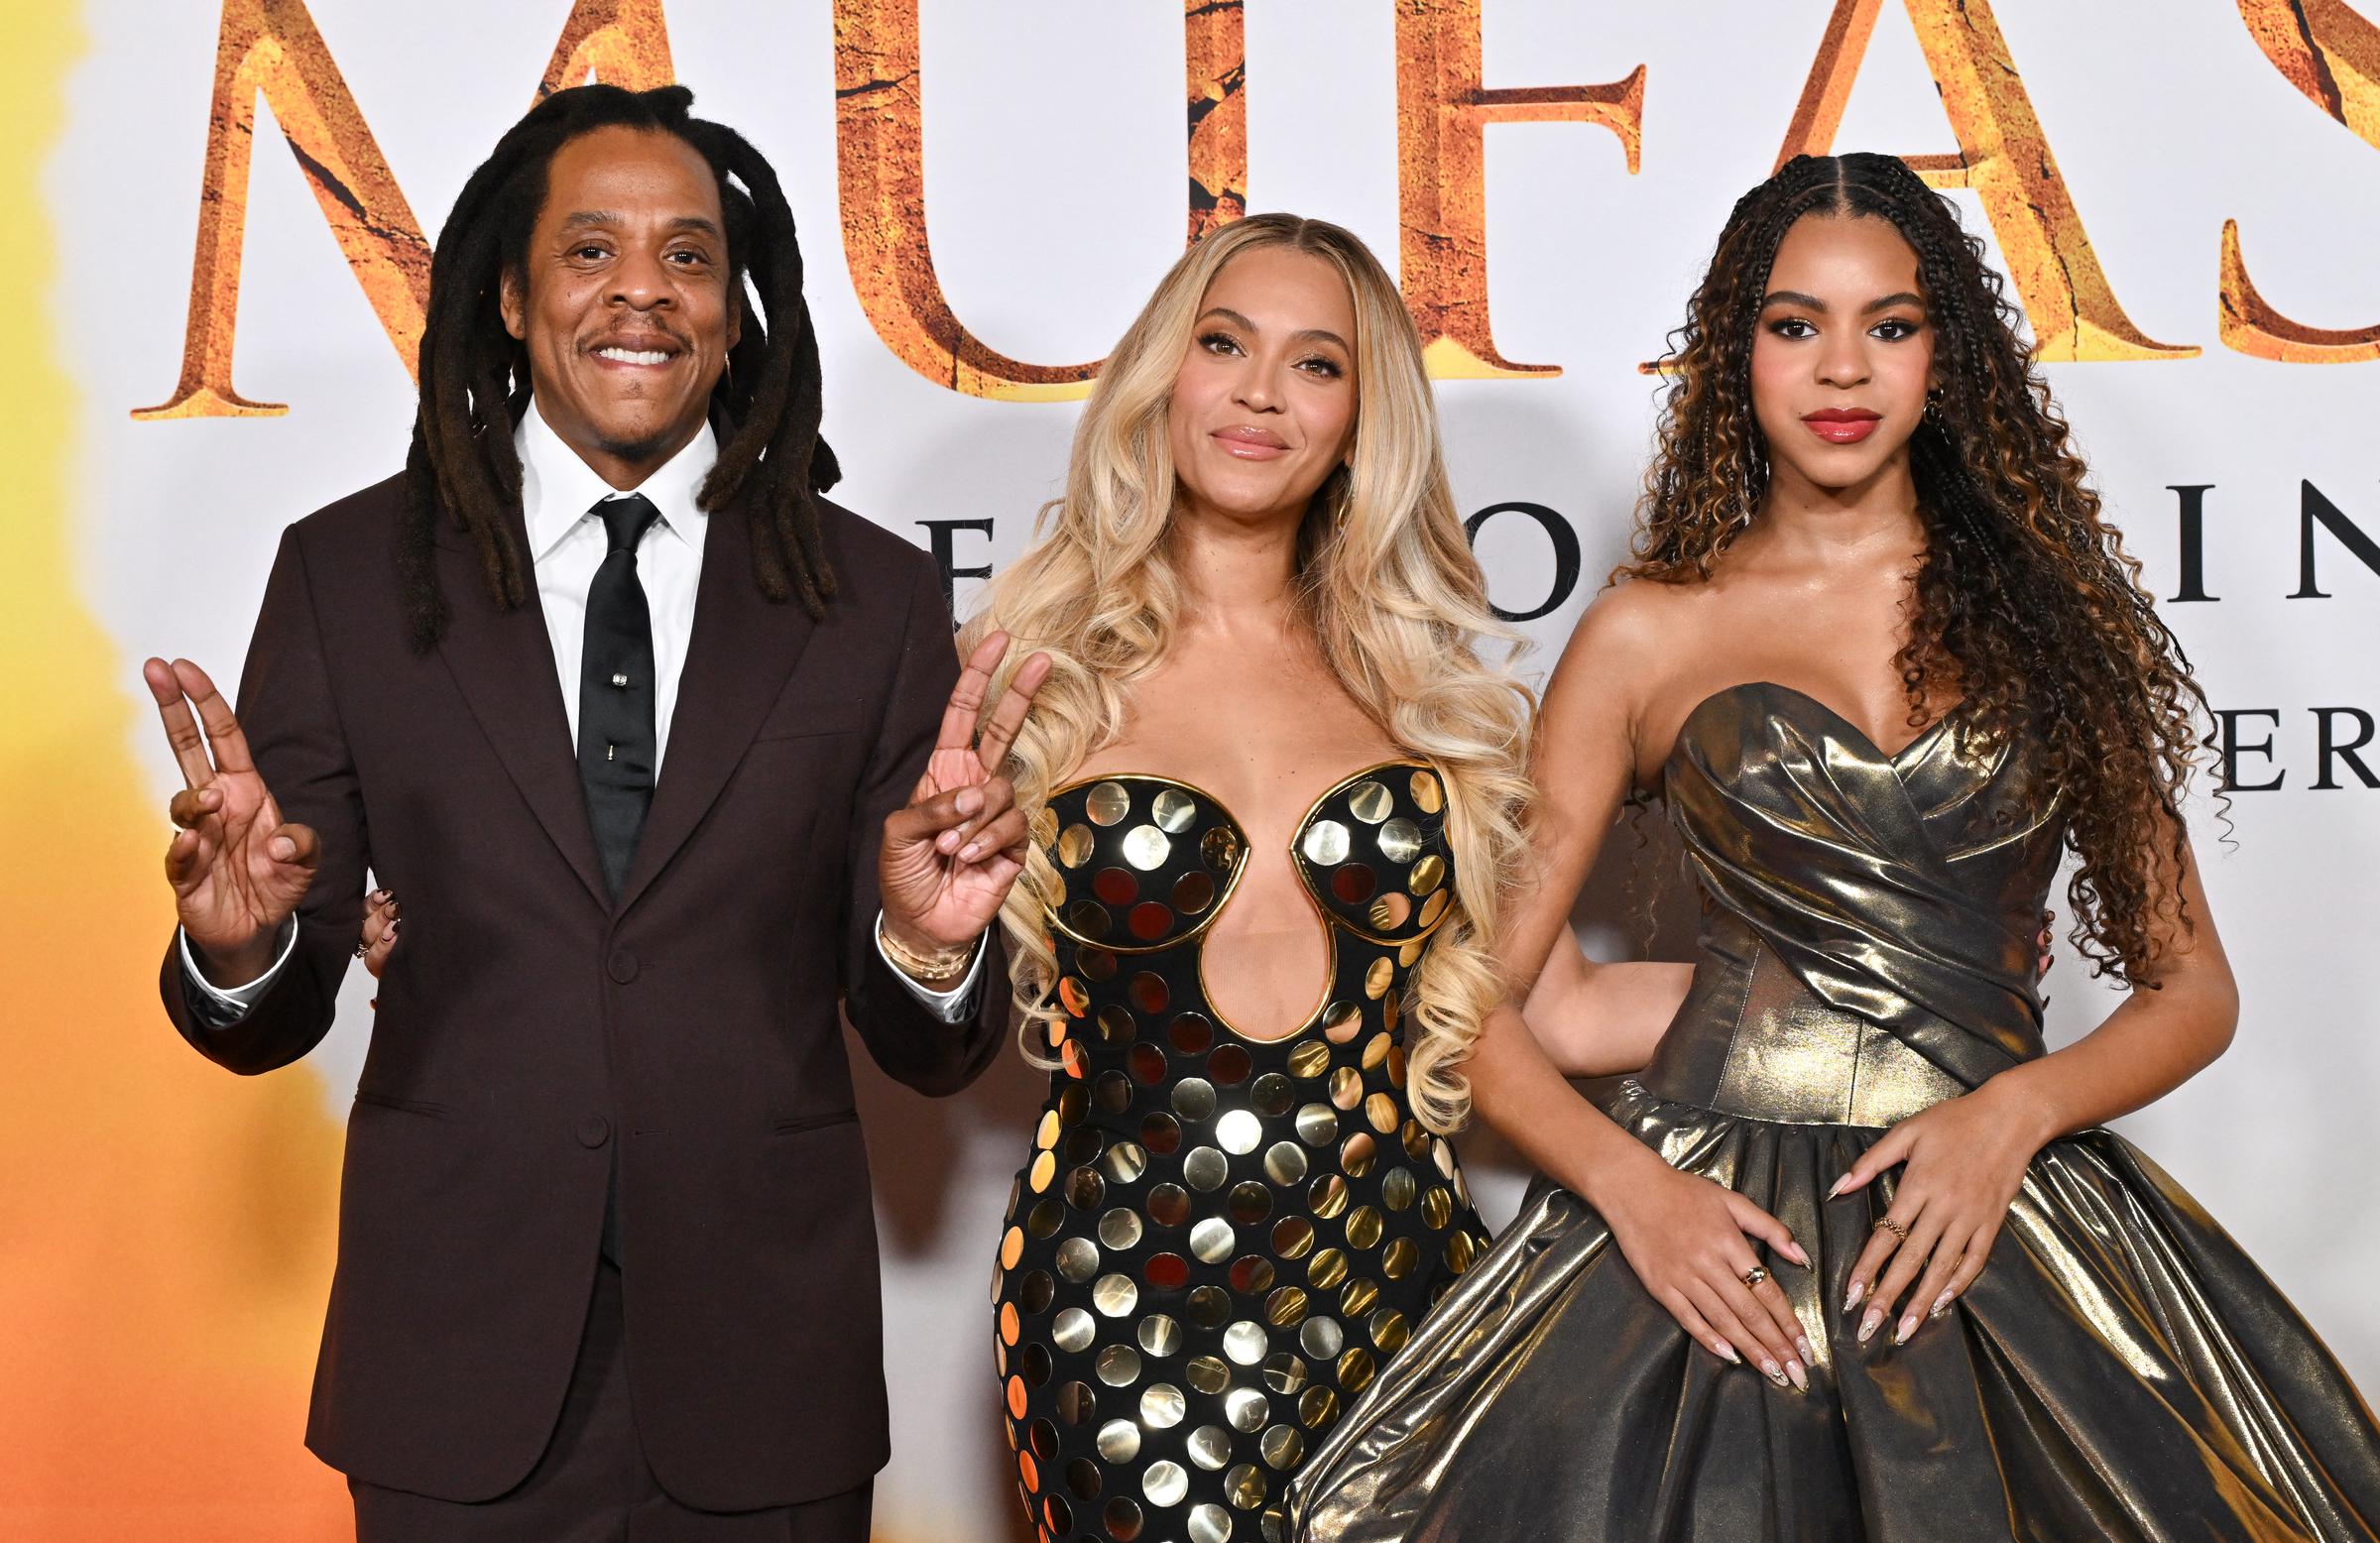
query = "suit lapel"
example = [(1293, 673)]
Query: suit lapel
[(743, 649), (503, 663)]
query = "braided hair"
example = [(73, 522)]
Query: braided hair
[(474, 375), (2025, 601)]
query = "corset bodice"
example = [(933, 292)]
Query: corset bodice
[(1869, 919)]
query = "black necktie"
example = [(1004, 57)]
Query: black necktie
[(618, 746)]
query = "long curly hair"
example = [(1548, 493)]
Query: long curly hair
[(474, 375), (1386, 581), (2025, 604)]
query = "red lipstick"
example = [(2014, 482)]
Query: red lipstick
[(1842, 426)]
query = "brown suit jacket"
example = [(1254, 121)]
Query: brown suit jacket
[(527, 1026)]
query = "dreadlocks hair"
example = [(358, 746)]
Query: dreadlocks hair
[(475, 381), (2025, 601)]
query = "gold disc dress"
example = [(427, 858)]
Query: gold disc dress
[(1219, 1240), (2119, 1371)]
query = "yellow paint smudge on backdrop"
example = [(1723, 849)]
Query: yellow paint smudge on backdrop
[(165, 1230)]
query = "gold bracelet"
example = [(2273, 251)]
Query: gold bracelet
[(922, 967)]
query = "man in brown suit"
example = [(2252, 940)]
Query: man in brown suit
[(667, 755)]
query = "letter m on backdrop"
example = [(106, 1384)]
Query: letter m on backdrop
[(272, 49)]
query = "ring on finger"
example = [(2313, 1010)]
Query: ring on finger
[(1754, 1276), (1885, 1224)]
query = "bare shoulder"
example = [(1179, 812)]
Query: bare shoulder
[(1633, 631)]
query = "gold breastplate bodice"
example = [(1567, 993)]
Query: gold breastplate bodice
[(1147, 864)]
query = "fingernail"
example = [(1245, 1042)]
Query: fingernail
[(1727, 1353), (1799, 1255), (1908, 1327), (1801, 1379), (1870, 1324), (380, 897), (1850, 1298), (1941, 1305), (1838, 1186), (1776, 1373), (945, 841), (967, 853), (970, 800), (1801, 1342)]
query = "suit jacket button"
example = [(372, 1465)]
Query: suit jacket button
[(594, 1130), (623, 966)]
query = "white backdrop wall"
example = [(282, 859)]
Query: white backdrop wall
[(1053, 167)]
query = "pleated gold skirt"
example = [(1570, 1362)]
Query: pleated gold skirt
[(2119, 1371)]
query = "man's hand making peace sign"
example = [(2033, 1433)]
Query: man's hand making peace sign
[(949, 858), (238, 868)]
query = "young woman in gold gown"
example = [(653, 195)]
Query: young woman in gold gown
[(1852, 1256)]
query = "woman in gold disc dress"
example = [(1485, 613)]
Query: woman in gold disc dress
[(1278, 796), (1851, 1256)]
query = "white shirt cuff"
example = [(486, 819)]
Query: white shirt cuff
[(231, 1004), (955, 1006)]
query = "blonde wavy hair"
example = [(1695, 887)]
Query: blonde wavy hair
[(1385, 580)]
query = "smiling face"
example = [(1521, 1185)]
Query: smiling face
[(1263, 406), (1843, 354), (623, 299)]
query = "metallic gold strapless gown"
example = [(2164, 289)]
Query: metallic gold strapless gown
[(1217, 1239), (2119, 1371)]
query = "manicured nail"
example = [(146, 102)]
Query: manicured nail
[(1908, 1327), (1727, 1353), (1838, 1184), (1795, 1252), (1801, 1342), (380, 897), (1775, 1372), (1941, 1305), (1869, 1324), (1850, 1298), (1801, 1379)]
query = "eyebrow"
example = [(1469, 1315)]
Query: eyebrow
[(583, 218), (1317, 334), (1812, 302)]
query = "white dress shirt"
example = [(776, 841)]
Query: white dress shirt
[(566, 544)]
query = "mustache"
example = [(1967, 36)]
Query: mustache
[(641, 332)]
